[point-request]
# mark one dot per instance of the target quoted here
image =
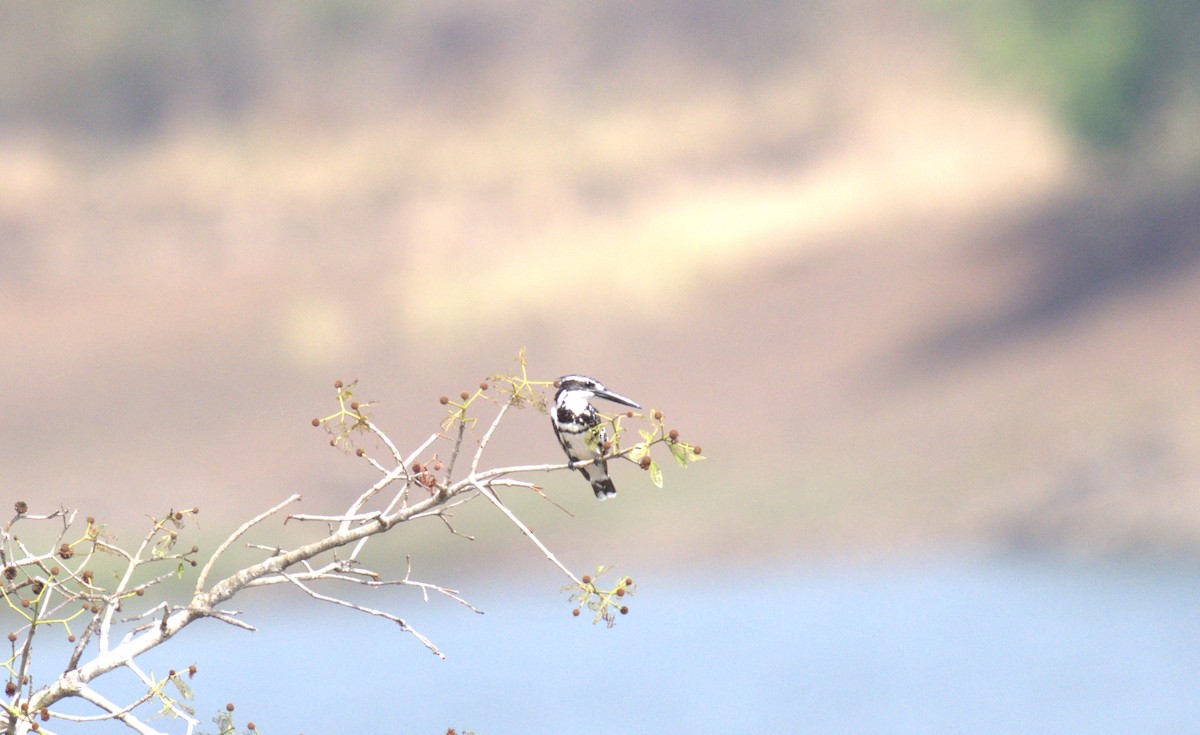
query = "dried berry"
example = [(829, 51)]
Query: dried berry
[(250, 726), (87, 576), (44, 714), (624, 610), (464, 395), (696, 449), (620, 592), (10, 573), (337, 384), (483, 386), (71, 638), (316, 422), (587, 579), (658, 415), (360, 452), (575, 612), (444, 400), (628, 581), (229, 707), (629, 414), (21, 507), (12, 637), (54, 571), (37, 587), (673, 434), (191, 671), (646, 462), (10, 689), (140, 591), (353, 405)]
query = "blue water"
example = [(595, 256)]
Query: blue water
[(1014, 646)]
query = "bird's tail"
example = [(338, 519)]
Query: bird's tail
[(602, 485)]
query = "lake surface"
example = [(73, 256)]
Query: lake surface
[(993, 646)]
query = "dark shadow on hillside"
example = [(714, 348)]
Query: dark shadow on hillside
[(1078, 254)]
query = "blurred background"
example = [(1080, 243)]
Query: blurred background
[(921, 277)]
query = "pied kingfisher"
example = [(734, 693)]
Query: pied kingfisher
[(574, 418)]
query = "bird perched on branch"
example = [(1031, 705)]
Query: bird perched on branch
[(574, 422)]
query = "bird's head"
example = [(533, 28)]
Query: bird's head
[(590, 387)]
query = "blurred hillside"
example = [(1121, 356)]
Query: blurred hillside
[(902, 299)]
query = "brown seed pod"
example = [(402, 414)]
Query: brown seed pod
[(337, 384), (25, 603), (141, 591), (87, 576), (65, 551), (10, 573), (629, 414), (37, 587), (673, 434), (54, 571), (195, 509), (624, 610), (316, 422), (171, 673), (71, 638), (628, 581), (587, 579), (229, 707), (12, 637), (575, 612), (360, 452), (45, 714), (658, 415), (353, 405), (464, 395), (10, 689), (21, 507), (645, 463), (250, 726), (620, 592), (696, 449), (444, 400), (483, 386), (191, 671)]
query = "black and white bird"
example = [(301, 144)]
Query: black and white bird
[(574, 420)]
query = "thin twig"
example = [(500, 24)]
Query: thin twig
[(369, 611), (212, 560), (490, 495)]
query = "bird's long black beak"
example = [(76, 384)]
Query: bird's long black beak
[(608, 395)]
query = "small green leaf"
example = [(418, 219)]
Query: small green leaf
[(655, 474), (680, 454), (638, 451)]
